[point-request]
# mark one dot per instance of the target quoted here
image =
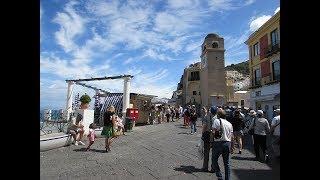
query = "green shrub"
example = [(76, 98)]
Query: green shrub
[(85, 99)]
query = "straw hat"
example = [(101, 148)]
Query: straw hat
[(111, 109)]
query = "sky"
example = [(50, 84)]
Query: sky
[(152, 40)]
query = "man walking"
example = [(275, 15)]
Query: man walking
[(222, 130)]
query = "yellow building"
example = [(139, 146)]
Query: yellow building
[(264, 64)]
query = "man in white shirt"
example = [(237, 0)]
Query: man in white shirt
[(221, 145), (275, 128)]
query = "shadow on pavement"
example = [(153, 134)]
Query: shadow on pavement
[(98, 150), (79, 150), (251, 174), (183, 133), (243, 158), (187, 169)]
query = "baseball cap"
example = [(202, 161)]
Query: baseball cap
[(213, 109), (277, 110)]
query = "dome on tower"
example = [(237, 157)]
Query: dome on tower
[(212, 35)]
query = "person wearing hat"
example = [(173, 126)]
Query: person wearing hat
[(250, 118), (261, 128), (275, 129)]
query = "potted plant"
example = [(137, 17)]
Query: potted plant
[(85, 100)]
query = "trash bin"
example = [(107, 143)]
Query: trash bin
[(128, 125)]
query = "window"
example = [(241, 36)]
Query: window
[(274, 37), (257, 77), (194, 92), (276, 70), (214, 45), (256, 49), (194, 76), (242, 102)]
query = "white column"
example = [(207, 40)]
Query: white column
[(126, 95), (69, 99)]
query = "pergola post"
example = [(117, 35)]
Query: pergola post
[(126, 95), (69, 99)]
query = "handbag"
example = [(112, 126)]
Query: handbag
[(251, 131), (218, 134)]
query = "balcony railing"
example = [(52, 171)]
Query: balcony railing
[(273, 48)]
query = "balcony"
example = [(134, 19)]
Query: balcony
[(255, 84), (273, 48)]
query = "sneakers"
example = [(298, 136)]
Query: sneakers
[(81, 143), (76, 143), (240, 152)]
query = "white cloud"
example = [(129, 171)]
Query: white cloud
[(169, 23), (278, 9), (71, 25), (221, 5), (155, 55), (176, 4), (192, 46), (225, 5), (256, 23), (248, 2)]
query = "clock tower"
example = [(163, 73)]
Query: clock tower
[(212, 75)]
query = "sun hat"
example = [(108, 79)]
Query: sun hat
[(260, 112), (252, 112)]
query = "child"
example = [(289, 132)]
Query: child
[(119, 124), (91, 135)]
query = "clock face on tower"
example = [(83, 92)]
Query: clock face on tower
[(215, 44)]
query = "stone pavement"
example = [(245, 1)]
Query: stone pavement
[(160, 151)]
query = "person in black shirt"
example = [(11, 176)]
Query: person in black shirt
[(193, 119), (108, 126), (238, 125)]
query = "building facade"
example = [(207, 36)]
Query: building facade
[(191, 85), (264, 64)]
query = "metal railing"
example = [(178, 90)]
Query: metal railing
[(55, 124), (273, 48)]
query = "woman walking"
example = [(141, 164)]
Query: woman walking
[(109, 123)]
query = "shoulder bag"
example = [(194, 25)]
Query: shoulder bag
[(218, 134)]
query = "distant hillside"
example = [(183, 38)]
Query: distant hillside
[(242, 67)]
